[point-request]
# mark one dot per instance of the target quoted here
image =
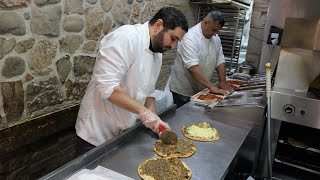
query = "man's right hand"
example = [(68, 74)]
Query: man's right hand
[(153, 121), (216, 90)]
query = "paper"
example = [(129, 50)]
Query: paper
[(99, 173)]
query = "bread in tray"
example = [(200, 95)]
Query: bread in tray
[(207, 101), (214, 98)]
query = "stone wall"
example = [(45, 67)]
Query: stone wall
[(48, 49)]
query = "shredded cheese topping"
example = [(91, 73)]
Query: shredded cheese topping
[(197, 131)]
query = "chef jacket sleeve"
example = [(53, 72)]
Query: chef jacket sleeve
[(187, 50), (220, 55), (113, 60)]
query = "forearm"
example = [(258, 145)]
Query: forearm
[(120, 98), (150, 104), (221, 70), (197, 75)]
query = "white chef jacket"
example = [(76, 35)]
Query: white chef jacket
[(195, 49), (123, 59)]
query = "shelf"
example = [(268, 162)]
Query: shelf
[(231, 33)]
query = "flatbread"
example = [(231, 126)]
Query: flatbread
[(201, 131), (209, 96), (184, 148), (164, 169)]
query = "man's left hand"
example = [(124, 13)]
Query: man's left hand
[(225, 86)]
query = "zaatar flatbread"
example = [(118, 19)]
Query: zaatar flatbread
[(183, 148), (164, 169), (201, 131)]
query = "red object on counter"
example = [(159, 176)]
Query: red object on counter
[(161, 128)]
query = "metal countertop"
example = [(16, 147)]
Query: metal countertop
[(125, 153)]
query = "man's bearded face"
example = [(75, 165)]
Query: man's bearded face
[(158, 43)]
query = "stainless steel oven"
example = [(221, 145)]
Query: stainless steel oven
[(295, 109)]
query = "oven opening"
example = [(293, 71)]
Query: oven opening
[(298, 151)]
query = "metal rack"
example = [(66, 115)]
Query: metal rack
[(231, 33)]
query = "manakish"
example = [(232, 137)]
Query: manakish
[(201, 131), (164, 169), (183, 148)]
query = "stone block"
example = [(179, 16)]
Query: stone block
[(94, 23), (46, 21), (13, 100), (63, 68), (40, 95), (13, 23), (41, 56), (13, 66), (6, 45), (83, 65)]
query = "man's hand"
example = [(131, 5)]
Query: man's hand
[(225, 86), (152, 121), (214, 89)]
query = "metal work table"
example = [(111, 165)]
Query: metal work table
[(124, 153)]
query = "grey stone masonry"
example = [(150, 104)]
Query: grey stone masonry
[(94, 19), (13, 23), (106, 5), (70, 44), (107, 25), (25, 45), (13, 66), (76, 89), (63, 68), (6, 45), (13, 100), (83, 65), (44, 2), (73, 6), (121, 12), (45, 21), (89, 47), (92, 1), (14, 3), (40, 58), (43, 94), (73, 23)]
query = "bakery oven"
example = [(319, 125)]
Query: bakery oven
[(298, 147), (295, 106)]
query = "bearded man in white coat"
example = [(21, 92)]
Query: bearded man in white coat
[(199, 54), (124, 76)]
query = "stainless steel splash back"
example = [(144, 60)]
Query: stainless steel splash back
[(301, 33)]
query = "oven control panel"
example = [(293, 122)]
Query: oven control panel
[(288, 109), (295, 108)]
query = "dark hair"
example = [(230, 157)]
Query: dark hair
[(216, 15), (171, 17)]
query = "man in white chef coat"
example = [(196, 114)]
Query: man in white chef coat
[(199, 55), (124, 76)]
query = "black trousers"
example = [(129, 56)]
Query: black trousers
[(83, 146), (179, 99)]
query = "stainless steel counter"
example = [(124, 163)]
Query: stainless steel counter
[(211, 160)]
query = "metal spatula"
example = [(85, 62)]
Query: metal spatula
[(167, 136)]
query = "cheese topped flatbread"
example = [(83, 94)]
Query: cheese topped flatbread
[(201, 131), (164, 169), (183, 148)]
